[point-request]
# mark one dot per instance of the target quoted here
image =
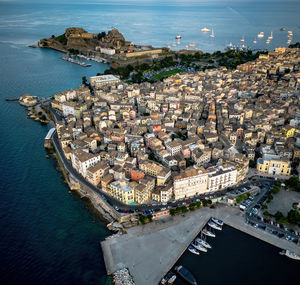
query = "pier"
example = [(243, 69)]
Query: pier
[(150, 251)]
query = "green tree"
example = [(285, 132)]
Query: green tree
[(293, 217), (84, 81), (142, 219), (150, 217), (278, 215), (184, 209), (251, 163), (173, 212)]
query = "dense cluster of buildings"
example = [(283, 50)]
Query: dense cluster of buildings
[(191, 134)]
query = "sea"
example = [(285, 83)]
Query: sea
[(51, 236)]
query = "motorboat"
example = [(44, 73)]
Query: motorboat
[(186, 275), (193, 250), (214, 226), (290, 254), (217, 221), (198, 246), (208, 233), (192, 45), (261, 35), (282, 29), (203, 242), (168, 279), (205, 30), (178, 37), (254, 41)]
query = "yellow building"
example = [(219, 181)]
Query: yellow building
[(288, 131), (122, 191), (274, 165)]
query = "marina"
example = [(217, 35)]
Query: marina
[(170, 239), (75, 61)]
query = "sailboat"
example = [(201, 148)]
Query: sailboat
[(271, 36), (242, 39), (212, 35)]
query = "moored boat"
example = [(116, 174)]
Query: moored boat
[(168, 279), (203, 242), (290, 254), (186, 275), (178, 37), (214, 226), (217, 221), (172, 279), (205, 30), (193, 250), (208, 233), (261, 35), (198, 246)]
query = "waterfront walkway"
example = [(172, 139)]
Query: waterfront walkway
[(150, 251)]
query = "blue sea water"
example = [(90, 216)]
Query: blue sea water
[(47, 234)]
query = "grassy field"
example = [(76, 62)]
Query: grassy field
[(165, 74)]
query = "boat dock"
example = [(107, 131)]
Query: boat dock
[(151, 250), (72, 60)]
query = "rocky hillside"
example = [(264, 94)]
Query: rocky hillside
[(79, 40)]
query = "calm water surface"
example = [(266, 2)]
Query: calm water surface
[(49, 236)]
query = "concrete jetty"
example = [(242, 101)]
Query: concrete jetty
[(150, 251)]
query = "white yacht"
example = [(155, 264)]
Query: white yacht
[(261, 35), (290, 254), (193, 250), (217, 221), (178, 37), (203, 242), (212, 35), (198, 246), (205, 30), (208, 233), (214, 226)]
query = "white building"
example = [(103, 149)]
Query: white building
[(190, 183), (108, 51), (68, 108), (166, 193), (221, 177), (174, 147), (82, 160), (98, 81)]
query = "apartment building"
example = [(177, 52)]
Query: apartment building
[(190, 183), (221, 177), (82, 160)]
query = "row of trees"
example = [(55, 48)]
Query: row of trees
[(145, 218), (184, 209), (293, 217)]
